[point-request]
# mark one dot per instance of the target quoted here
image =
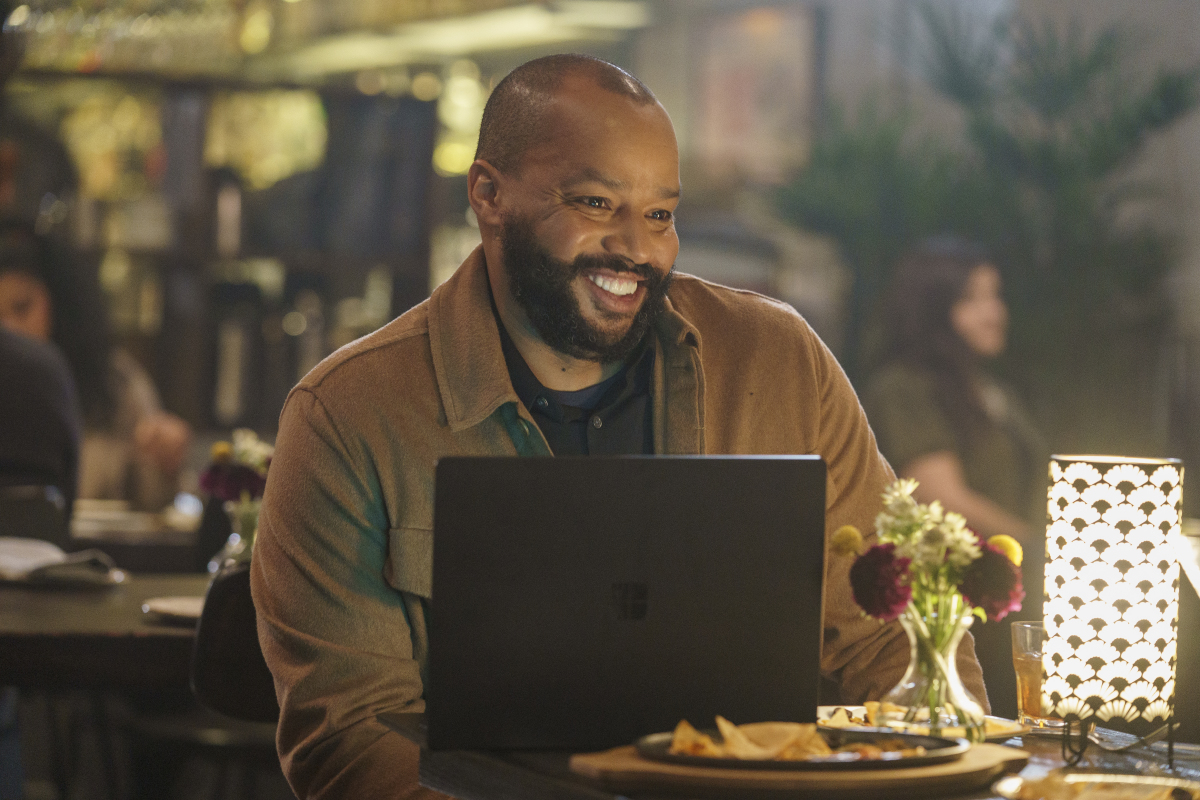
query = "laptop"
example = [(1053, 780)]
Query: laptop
[(582, 602)]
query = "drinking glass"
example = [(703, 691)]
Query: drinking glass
[(1027, 639)]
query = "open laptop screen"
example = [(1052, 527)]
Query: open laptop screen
[(584, 602)]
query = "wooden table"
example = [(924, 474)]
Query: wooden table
[(53, 638), (141, 542), (474, 775)]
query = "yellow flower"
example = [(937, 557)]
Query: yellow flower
[(1009, 546), (846, 541), (221, 453)]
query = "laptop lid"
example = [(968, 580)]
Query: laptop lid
[(581, 603)]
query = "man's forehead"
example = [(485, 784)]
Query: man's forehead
[(580, 102), (580, 126)]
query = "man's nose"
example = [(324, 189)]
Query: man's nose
[(630, 238)]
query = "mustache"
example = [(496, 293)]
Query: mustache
[(614, 263)]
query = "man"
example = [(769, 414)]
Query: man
[(39, 445), (39, 416), (565, 332)]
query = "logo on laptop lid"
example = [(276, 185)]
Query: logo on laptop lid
[(629, 600)]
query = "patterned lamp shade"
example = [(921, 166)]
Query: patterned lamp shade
[(1112, 590)]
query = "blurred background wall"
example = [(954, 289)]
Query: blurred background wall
[(262, 181)]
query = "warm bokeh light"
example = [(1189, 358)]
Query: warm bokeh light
[(453, 154), (256, 31), (426, 86), (266, 136), (18, 17)]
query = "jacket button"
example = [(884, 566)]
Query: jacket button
[(597, 422), (541, 402)]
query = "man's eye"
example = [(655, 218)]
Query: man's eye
[(662, 215), (594, 202)]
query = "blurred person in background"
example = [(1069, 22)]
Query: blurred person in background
[(941, 418), (132, 450), (39, 416), (39, 409), (39, 445)]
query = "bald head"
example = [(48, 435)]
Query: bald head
[(516, 115)]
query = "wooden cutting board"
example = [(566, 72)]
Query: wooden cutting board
[(622, 769)]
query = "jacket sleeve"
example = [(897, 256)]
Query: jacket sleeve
[(334, 634), (866, 657)]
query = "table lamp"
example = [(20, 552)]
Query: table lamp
[(1112, 595)]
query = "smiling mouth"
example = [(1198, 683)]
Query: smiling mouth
[(618, 286)]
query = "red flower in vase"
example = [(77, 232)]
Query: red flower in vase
[(877, 580), (229, 480), (993, 583)]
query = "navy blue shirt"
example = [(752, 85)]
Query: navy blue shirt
[(608, 419)]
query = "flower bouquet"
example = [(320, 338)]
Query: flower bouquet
[(237, 475), (935, 575)]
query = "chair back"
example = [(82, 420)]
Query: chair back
[(35, 512), (229, 674), (214, 531)]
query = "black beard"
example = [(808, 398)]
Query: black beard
[(541, 284)]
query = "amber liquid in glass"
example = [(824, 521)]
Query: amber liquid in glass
[(1029, 689)]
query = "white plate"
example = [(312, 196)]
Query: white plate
[(855, 712), (1010, 786), (180, 609), (998, 728)]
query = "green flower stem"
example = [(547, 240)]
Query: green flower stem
[(246, 510), (933, 634)]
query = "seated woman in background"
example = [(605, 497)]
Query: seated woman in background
[(939, 416), (132, 450), (942, 419)]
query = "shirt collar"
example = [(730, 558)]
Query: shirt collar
[(633, 377)]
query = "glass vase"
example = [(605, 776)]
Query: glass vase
[(931, 695), (243, 518)]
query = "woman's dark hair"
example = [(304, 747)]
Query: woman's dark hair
[(79, 312), (928, 281)]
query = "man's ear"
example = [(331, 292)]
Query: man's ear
[(483, 192)]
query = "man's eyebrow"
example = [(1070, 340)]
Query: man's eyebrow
[(593, 175)]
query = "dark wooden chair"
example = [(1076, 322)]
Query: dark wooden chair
[(35, 512), (236, 726), (211, 536), (229, 674)]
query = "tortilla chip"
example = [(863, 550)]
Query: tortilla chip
[(809, 743), (840, 718), (686, 740), (773, 736), (738, 744)]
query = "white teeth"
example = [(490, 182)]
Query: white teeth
[(617, 286)]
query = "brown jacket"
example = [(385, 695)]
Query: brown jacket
[(342, 564)]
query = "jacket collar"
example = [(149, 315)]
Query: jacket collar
[(465, 342), (468, 360)]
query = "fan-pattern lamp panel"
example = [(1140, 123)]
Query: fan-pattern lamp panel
[(1112, 589)]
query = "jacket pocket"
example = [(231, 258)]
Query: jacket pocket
[(411, 560)]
